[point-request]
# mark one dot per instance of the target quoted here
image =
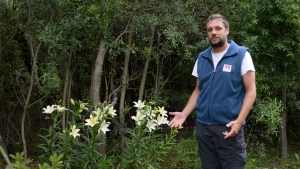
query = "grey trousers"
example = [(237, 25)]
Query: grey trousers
[(218, 153)]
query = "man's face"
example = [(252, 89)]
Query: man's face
[(216, 33)]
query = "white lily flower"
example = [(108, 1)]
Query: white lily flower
[(60, 108), (147, 111), (151, 125), (162, 120), (82, 106), (139, 117), (49, 109), (111, 111), (74, 131), (99, 114), (139, 104), (153, 114), (104, 127), (162, 111), (72, 102), (106, 108), (92, 121)]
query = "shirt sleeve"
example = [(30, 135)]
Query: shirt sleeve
[(194, 73), (247, 64)]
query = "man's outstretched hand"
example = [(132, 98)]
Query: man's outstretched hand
[(178, 120)]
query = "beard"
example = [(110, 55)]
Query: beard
[(220, 43)]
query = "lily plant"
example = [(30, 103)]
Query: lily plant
[(82, 136), (148, 147)]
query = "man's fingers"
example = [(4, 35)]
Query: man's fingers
[(227, 134), (232, 133), (172, 125), (172, 113), (178, 119), (229, 124)]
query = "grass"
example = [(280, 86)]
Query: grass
[(184, 155), (274, 162)]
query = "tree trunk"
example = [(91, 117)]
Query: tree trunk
[(23, 131), (32, 76), (0, 49), (3, 145), (1, 82), (112, 90), (97, 73), (27, 101), (146, 66), (124, 87), (67, 86), (96, 84), (283, 136)]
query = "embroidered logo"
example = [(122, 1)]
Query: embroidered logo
[(227, 68)]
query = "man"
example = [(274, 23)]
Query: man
[(224, 94)]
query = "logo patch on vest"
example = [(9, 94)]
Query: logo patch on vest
[(227, 68)]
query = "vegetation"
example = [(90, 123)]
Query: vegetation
[(113, 53)]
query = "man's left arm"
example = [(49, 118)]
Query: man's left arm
[(250, 88)]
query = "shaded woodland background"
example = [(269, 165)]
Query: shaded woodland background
[(122, 51)]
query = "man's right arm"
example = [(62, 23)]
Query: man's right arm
[(190, 106)]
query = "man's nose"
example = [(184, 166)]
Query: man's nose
[(214, 31)]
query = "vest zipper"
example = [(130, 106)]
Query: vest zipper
[(212, 78), (213, 75), (211, 87)]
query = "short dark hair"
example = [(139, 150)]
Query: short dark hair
[(220, 17)]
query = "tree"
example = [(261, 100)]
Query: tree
[(170, 29), (103, 13), (273, 37)]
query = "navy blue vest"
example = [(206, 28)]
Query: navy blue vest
[(221, 91)]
